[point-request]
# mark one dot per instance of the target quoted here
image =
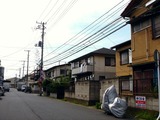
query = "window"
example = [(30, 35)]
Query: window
[(89, 61), (109, 61), (62, 72), (124, 56), (52, 73), (141, 25), (126, 83), (49, 74), (72, 65), (101, 77), (143, 81), (130, 55), (76, 64), (156, 26)]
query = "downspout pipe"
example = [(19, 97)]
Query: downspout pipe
[(157, 60)]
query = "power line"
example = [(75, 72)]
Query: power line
[(66, 56), (65, 11), (91, 36), (57, 11), (70, 52), (50, 10), (94, 24), (45, 9)]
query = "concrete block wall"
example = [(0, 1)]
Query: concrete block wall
[(82, 90), (69, 94), (104, 84)]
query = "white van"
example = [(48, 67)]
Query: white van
[(6, 86)]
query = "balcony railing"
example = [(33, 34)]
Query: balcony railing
[(82, 69)]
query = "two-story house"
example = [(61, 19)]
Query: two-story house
[(144, 19), (88, 70), (56, 73)]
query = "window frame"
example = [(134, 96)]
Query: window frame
[(63, 72), (138, 26), (143, 85), (110, 61), (127, 59), (154, 31), (126, 80)]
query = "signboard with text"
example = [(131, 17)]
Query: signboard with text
[(140, 101)]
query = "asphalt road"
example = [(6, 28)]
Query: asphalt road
[(25, 106)]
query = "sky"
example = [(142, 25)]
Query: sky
[(63, 18)]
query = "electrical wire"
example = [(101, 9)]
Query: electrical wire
[(45, 9), (93, 24), (96, 39), (65, 11), (50, 10), (66, 56), (57, 11), (82, 42), (96, 28)]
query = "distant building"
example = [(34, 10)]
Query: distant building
[(57, 71), (13, 81)]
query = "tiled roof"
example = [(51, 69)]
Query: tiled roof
[(122, 44), (102, 51)]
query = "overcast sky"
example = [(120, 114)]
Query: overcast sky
[(18, 33)]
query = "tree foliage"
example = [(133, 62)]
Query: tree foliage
[(52, 86)]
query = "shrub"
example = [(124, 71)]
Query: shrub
[(98, 105)]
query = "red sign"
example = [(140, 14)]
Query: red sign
[(140, 101)]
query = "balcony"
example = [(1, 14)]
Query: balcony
[(82, 69)]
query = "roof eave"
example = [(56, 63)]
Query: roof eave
[(129, 9)]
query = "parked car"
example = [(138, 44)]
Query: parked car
[(19, 85), (6, 86), (2, 91), (28, 89), (23, 87)]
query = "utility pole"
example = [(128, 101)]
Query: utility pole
[(27, 64), (19, 73), (42, 27), (23, 67)]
